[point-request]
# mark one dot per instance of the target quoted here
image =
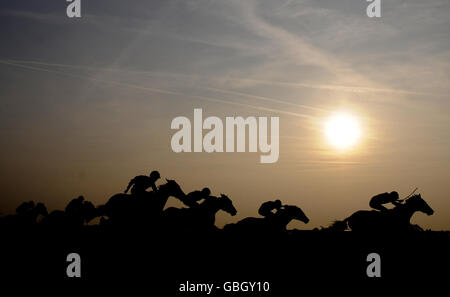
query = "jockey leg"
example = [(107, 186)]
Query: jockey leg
[(379, 207), (376, 205)]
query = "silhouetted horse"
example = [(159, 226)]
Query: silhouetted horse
[(198, 218), (77, 213), (396, 219), (26, 215), (131, 209), (274, 224)]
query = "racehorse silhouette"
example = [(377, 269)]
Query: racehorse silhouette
[(26, 215), (198, 218), (130, 209), (77, 213), (275, 223), (396, 219)]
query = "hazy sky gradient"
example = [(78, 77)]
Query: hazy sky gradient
[(86, 104)]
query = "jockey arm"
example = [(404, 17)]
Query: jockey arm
[(267, 207), (188, 202), (130, 184), (397, 202)]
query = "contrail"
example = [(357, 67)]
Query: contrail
[(353, 89), (343, 88), (146, 72), (263, 98), (53, 64), (161, 91)]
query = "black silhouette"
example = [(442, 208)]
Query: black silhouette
[(266, 209), (377, 201), (397, 219), (199, 218), (193, 197), (271, 222), (146, 207), (77, 213), (26, 215), (136, 231), (145, 210), (141, 183)]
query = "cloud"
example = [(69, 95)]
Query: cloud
[(162, 91), (295, 49)]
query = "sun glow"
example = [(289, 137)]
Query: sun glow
[(342, 131)]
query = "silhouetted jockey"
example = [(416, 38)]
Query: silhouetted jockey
[(266, 209), (141, 183), (75, 205), (25, 207), (194, 196), (377, 201)]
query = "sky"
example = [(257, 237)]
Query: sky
[(87, 103)]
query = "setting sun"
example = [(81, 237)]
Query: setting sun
[(342, 131)]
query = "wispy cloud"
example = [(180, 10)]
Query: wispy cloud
[(162, 91), (211, 79)]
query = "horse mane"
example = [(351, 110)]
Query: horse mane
[(291, 207), (412, 197), (167, 184), (224, 197), (411, 194), (160, 187), (208, 201)]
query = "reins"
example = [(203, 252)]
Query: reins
[(409, 196)]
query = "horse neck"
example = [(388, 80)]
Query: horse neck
[(166, 192), (210, 207), (282, 218), (163, 192), (406, 211), (162, 195)]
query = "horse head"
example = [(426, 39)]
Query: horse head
[(40, 209), (25, 207), (173, 189), (417, 203), (296, 213), (227, 205)]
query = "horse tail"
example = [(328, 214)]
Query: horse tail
[(339, 225)]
